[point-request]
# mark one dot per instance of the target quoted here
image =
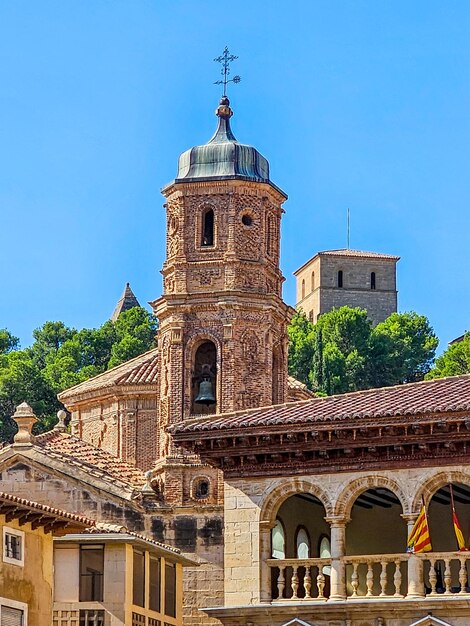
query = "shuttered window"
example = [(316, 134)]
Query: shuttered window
[(11, 617)]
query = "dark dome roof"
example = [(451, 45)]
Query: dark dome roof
[(222, 156)]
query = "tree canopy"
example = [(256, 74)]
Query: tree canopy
[(61, 357), (453, 361), (344, 352)]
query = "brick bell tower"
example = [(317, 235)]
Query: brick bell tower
[(223, 323)]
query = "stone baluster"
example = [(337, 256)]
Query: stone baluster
[(281, 582), (307, 582), (447, 576), (432, 575), (383, 578), (354, 580), (369, 579), (294, 582), (321, 584), (463, 574), (397, 579), (338, 571)]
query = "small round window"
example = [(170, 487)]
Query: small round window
[(247, 220), (202, 489)]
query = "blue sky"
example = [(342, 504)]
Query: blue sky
[(360, 104)]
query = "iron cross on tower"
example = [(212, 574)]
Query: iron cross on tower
[(225, 59)]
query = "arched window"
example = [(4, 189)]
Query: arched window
[(340, 278), (312, 281), (303, 289), (207, 236), (278, 541), (302, 544), (372, 280), (202, 488), (324, 550)]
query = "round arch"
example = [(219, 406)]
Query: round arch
[(354, 489), (434, 483), (281, 493)]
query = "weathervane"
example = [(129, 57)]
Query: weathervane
[(225, 59)]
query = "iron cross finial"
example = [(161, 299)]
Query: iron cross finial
[(225, 59)]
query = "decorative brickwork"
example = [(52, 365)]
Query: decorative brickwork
[(227, 293)]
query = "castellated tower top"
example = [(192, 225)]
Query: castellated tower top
[(223, 157)]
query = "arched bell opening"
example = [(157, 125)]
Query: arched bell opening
[(376, 528), (301, 532), (204, 380), (448, 513)]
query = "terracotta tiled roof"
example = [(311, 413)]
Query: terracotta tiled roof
[(423, 398), (358, 253), (49, 511), (75, 451), (143, 370), (103, 527), (347, 252)]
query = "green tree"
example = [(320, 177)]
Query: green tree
[(411, 346), (455, 360), (7, 341), (301, 348), (61, 357), (343, 352)]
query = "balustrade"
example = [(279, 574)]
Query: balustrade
[(300, 579), (446, 573), (374, 576)]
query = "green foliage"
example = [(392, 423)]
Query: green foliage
[(61, 357), (7, 341), (343, 352), (454, 361)]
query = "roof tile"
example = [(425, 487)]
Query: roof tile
[(426, 397)]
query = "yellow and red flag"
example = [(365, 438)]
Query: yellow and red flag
[(455, 520), (419, 539)]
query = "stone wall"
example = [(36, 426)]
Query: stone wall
[(324, 294)]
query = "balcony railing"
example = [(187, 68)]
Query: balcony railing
[(400, 576)]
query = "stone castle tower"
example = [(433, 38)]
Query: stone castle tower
[(222, 318), (345, 277)]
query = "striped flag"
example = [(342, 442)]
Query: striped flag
[(419, 539), (455, 520)]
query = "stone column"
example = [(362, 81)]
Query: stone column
[(415, 565), (338, 570)]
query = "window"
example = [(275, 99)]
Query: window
[(12, 617), (138, 578), (170, 589), (372, 280), (91, 617), (302, 543), (13, 546), (303, 289), (208, 228), (340, 278), (91, 573), (325, 553), (202, 489), (310, 317), (155, 581), (247, 220), (278, 540), (312, 281)]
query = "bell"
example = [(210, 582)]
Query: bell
[(205, 395)]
